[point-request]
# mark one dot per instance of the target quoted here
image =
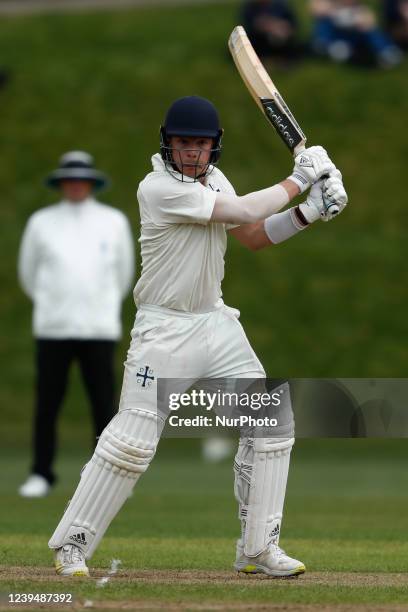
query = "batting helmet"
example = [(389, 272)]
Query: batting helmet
[(191, 116)]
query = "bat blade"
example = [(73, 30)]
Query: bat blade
[(264, 91), (267, 96)]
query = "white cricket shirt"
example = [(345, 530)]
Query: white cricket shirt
[(76, 262), (182, 252)]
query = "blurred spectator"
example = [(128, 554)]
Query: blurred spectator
[(346, 30), (272, 27), (76, 264), (396, 21)]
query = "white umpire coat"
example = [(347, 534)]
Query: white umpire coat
[(76, 262)]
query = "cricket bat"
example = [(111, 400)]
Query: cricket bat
[(266, 94)]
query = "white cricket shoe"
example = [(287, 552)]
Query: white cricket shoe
[(35, 486), (272, 562), (70, 561)]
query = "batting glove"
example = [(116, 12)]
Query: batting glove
[(323, 195), (310, 166), (333, 194)]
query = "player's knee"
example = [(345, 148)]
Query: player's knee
[(273, 445), (129, 442), (123, 453)]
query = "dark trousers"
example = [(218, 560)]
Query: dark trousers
[(53, 361)]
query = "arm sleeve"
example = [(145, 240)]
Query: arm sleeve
[(228, 188), (126, 258), (180, 202), (249, 208), (28, 258)]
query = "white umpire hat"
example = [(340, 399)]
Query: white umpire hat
[(77, 165)]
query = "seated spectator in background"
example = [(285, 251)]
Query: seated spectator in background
[(76, 264), (347, 31), (396, 21), (272, 28)]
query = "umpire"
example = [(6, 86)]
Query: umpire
[(76, 263)]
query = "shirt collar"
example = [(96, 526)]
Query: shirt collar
[(78, 205)]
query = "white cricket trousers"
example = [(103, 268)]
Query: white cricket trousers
[(175, 344)]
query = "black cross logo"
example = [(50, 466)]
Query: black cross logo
[(144, 373)]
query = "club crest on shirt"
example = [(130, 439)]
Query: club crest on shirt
[(145, 376)]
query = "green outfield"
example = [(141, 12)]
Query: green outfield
[(329, 303), (345, 518)]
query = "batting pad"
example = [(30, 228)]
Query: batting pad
[(261, 471), (124, 451)]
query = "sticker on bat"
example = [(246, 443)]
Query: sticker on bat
[(285, 125)]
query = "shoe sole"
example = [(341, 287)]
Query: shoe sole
[(261, 569), (61, 571), (31, 496)]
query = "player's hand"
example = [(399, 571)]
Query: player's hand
[(310, 166), (323, 195), (313, 208), (333, 194)]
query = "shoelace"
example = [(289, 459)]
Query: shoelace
[(277, 551), (72, 554)]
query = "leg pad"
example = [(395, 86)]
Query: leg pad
[(261, 470), (124, 451)]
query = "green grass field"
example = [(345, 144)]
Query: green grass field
[(345, 518), (329, 303)]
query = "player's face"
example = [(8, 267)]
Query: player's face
[(76, 191), (190, 154)]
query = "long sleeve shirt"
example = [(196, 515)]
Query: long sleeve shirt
[(76, 262)]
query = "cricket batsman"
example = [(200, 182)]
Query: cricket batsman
[(183, 329)]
